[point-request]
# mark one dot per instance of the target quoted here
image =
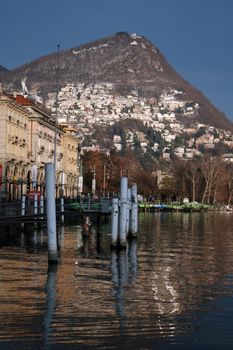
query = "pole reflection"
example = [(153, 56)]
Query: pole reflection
[(123, 267), (132, 256), (50, 306)]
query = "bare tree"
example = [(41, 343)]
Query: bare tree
[(225, 183), (193, 175), (210, 170)]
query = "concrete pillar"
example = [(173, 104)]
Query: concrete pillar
[(128, 210), (62, 209), (41, 206), (23, 204), (134, 211), (35, 204), (51, 213), (35, 208), (114, 221), (123, 210)]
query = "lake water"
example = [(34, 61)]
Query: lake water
[(172, 288)]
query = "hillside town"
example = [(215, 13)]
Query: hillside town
[(30, 132), (170, 115)]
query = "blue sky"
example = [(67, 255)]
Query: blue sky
[(194, 35)]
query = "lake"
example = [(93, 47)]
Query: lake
[(171, 288)]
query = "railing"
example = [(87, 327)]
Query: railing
[(90, 204), (10, 209), (32, 209), (15, 210)]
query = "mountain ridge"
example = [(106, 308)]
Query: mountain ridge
[(129, 61), (3, 70)]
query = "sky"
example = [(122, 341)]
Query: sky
[(195, 36)]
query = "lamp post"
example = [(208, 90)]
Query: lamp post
[(55, 138), (93, 182), (104, 180), (80, 178)]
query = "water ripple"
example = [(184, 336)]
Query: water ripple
[(170, 286)]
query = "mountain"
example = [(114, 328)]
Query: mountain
[(129, 62), (3, 70)]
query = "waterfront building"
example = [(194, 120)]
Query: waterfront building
[(28, 134), (70, 161), (14, 160)]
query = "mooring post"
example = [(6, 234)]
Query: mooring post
[(114, 221), (51, 213), (42, 206), (128, 210), (62, 209), (35, 209), (35, 205), (86, 225), (23, 208), (23, 204), (123, 210), (134, 211)]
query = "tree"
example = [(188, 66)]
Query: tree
[(225, 183), (193, 175), (167, 189), (210, 171), (146, 184)]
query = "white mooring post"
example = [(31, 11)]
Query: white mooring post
[(114, 221), (23, 208), (51, 213), (134, 211), (62, 209), (123, 210), (62, 196), (23, 204), (35, 208), (128, 210), (42, 206), (35, 204)]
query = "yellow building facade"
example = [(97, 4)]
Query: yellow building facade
[(70, 163), (27, 143)]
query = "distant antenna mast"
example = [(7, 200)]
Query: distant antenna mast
[(56, 124)]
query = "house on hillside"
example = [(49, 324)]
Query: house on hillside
[(227, 157)]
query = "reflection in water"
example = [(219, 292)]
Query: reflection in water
[(61, 236), (132, 256), (50, 305), (124, 272), (173, 285)]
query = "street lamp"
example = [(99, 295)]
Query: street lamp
[(104, 180), (93, 182), (55, 138)]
